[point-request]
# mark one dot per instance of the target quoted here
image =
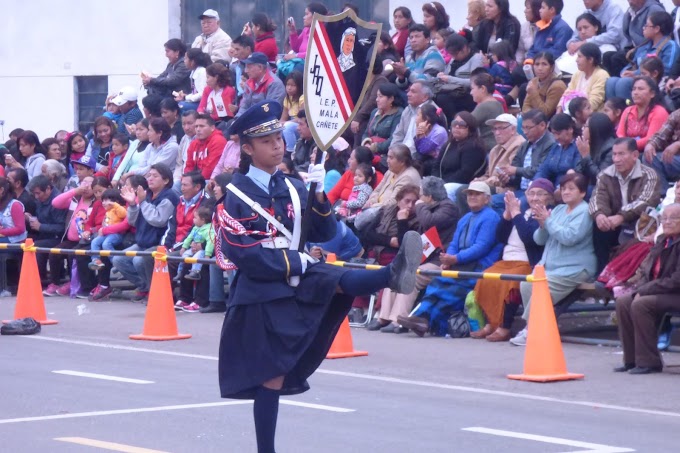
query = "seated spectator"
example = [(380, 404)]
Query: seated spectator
[(473, 248), (580, 110), (589, 81), (12, 228), (528, 29), (151, 105), (82, 168), (661, 152), (126, 100), (298, 42), (56, 173), (189, 126), (453, 86), (170, 113), (213, 40), (498, 25), (423, 63), (176, 75), (488, 108), (463, 157), (655, 293), (435, 16), (79, 203), (345, 185), (292, 104), (345, 245), (433, 210), (564, 154), (347, 210), (501, 66), (610, 16), (241, 47), (231, 156), (652, 67), (263, 30), (196, 61), (100, 145), (383, 120), (302, 153), (401, 172), (32, 154), (370, 101), (566, 232), (149, 211), (162, 148), (614, 214), (219, 95), (553, 32), (545, 90), (120, 145), (76, 146), (114, 213), (614, 108), (18, 181), (52, 149), (500, 299), (431, 136), (419, 93), (403, 19), (658, 42), (135, 153), (439, 38), (206, 149), (595, 147), (261, 84), (46, 227), (646, 116), (61, 137), (588, 29)]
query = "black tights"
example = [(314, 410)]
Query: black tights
[(265, 413)]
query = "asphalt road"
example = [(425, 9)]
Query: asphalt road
[(409, 394)]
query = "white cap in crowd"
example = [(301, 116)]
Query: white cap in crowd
[(503, 118), (210, 14), (126, 94)]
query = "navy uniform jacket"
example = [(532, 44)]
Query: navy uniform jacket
[(263, 273)]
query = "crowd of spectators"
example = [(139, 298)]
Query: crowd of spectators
[(516, 143)]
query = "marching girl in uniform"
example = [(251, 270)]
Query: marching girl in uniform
[(284, 308)]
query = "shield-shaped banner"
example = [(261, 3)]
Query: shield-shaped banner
[(340, 56)]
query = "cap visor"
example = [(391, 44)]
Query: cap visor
[(265, 133)]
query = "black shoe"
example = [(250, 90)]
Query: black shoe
[(178, 278), (624, 368), (213, 308), (390, 328), (193, 275), (645, 370), (376, 324), (400, 329), (405, 264)]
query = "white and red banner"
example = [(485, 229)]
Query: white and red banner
[(431, 242)]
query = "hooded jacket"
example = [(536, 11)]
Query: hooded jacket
[(203, 155)]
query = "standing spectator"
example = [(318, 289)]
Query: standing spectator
[(176, 74), (219, 95), (265, 41), (595, 147), (623, 192), (162, 147), (205, 151), (435, 17), (564, 155), (423, 63), (261, 84), (150, 212), (553, 32), (100, 145), (589, 81), (189, 126), (213, 40), (126, 100), (488, 108), (528, 29), (403, 19), (383, 120), (610, 16), (46, 227), (18, 181), (196, 61), (32, 154), (12, 227), (545, 90), (298, 42), (645, 117), (499, 24), (170, 113)]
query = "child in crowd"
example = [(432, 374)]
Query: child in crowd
[(116, 212), (120, 144), (201, 235), (98, 213), (580, 110), (76, 145), (292, 104), (431, 135), (231, 156), (363, 179), (82, 168), (614, 108), (439, 40), (501, 65)]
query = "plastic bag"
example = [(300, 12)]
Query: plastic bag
[(23, 326)]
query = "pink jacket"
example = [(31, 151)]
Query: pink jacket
[(299, 42)]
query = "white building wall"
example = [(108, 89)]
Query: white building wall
[(45, 44)]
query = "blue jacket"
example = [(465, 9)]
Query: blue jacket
[(668, 54), (525, 230), (152, 219), (552, 39), (475, 239), (345, 244), (558, 161)]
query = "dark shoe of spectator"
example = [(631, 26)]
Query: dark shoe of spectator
[(177, 278), (140, 296), (404, 266), (96, 265), (376, 324), (180, 304), (83, 294), (390, 328), (645, 370), (193, 275), (356, 315), (482, 333), (400, 329), (624, 368), (191, 308), (84, 241), (100, 293), (418, 325), (214, 308), (51, 290), (499, 334), (65, 289)]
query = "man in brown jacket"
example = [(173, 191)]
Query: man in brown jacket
[(622, 193), (657, 292)]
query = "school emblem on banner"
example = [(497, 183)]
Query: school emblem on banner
[(340, 57)]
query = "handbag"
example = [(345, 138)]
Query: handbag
[(458, 325)]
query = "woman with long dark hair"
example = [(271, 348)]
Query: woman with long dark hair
[(32, 154), (263, 30), (196, 60), (162, 148), (430, 135), (100, 145), (343, 188), (645, 117), (219, 94), (499, 24), (545, 90), (435, 16), (12, 227), (595, 147), (383, 119), (402, 21)]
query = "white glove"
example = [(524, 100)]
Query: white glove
[(317, 174)]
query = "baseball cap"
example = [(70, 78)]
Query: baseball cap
[(209, 14), (126, 94), (503, 118), (478, 186), (258, 58), (86, 161)]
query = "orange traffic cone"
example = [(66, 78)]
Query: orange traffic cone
[(544, 358), (30, 301), (342, 346), (160, 323)]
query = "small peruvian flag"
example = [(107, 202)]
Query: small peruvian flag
[(431, 242)]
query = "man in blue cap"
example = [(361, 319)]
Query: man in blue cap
[(261, 84), (284, 307)]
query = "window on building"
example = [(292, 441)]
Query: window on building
[(91, 92)]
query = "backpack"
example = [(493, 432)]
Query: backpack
[(459, 326)]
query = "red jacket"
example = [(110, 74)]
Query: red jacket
[(185, 222), (228, 98), (266, 43), (345, 184), (203, 155), (96, 218)]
